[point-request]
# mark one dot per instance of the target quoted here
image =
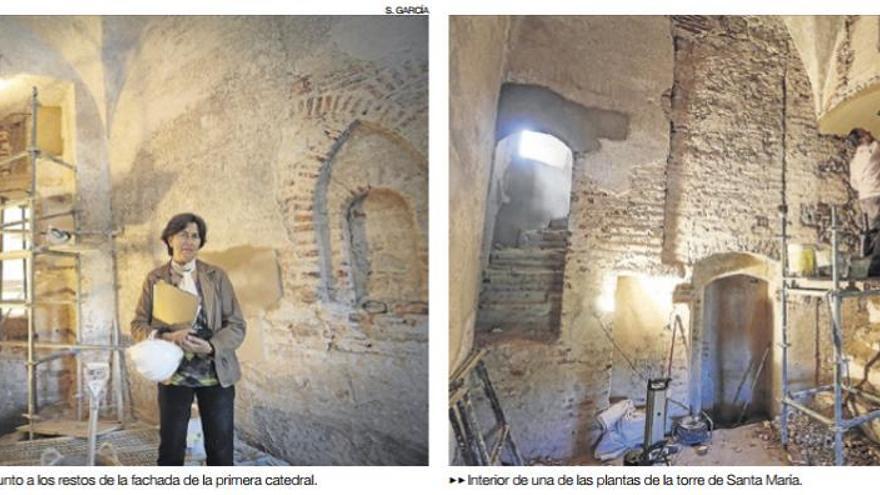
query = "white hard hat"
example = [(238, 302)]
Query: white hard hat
[(155, 359)]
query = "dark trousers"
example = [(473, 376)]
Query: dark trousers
[(871, 209), (216, 409)]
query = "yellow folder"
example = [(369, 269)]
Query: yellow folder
[(173, 306)]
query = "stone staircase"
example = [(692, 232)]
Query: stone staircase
[(522, 286)]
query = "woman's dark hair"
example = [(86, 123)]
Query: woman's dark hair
[(855, 136), (178, 223)]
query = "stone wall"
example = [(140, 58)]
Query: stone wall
[(276, 145), (237, 118), (720, 117)]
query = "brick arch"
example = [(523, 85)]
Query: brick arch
[(366, 157), (324, 110)]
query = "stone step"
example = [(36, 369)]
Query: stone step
[(514, 296), (544, 238), (518, 317), (488, 290), (515, 257), (523, 279), (542, 244), (558, 224), (528, 272), (515, 306)]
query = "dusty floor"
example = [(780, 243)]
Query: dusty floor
[(136, 445), (758, 444), (747, 445)]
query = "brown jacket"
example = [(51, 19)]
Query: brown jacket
[(221, 308)]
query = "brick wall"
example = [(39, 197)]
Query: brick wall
[(736, 109), (308, 117)]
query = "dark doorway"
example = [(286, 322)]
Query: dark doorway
[(737, 337)]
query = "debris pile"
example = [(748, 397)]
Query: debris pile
[(812, 443)]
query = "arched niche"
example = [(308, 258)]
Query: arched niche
[(370, 196), (734, 272), (383, 249)]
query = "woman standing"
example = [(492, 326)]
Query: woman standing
[(209, 368)]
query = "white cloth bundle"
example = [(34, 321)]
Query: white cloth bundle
[(155, 359), (623, 427)]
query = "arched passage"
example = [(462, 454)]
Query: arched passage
[(737, 339), (526, 235), (734, 325)]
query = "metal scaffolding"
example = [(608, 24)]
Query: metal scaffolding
[(29, 252), (834, 293)]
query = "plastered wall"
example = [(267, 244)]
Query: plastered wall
[(33, 58), (477, 53), (235, 118), (719, 122)]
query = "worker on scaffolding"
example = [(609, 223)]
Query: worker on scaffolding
[(864, 176)]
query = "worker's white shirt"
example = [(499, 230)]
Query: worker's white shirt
[(864, 170)]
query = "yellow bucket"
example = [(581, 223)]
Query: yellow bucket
[(801, 260)]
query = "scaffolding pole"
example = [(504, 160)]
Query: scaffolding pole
[(27, 228), (834, 296), (783, 214), (29, 271)]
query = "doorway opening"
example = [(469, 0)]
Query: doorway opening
[(526, 236), (737, 350)]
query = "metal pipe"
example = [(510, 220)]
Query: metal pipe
[(13, 203), (54, 252), (18, 303), (44, 217), (78, 339), (55, 355), (16, 255), (118, 394), (119, 381), (810, 391), (809, 412), (805, 291), (857, 293), (752, 385), (783, 256), (32, 225), (56, 160), (59, 345), (59, 214), (94, 412), (861, 393), (861, 419), (837, 331), (13, 158)]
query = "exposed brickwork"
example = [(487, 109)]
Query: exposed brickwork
[(739, 112), (244, 138), (381, 97)]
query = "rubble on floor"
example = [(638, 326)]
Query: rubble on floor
[(812, 443)]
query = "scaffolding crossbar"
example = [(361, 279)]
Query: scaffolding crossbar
[(833, 292), (28, 252)]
